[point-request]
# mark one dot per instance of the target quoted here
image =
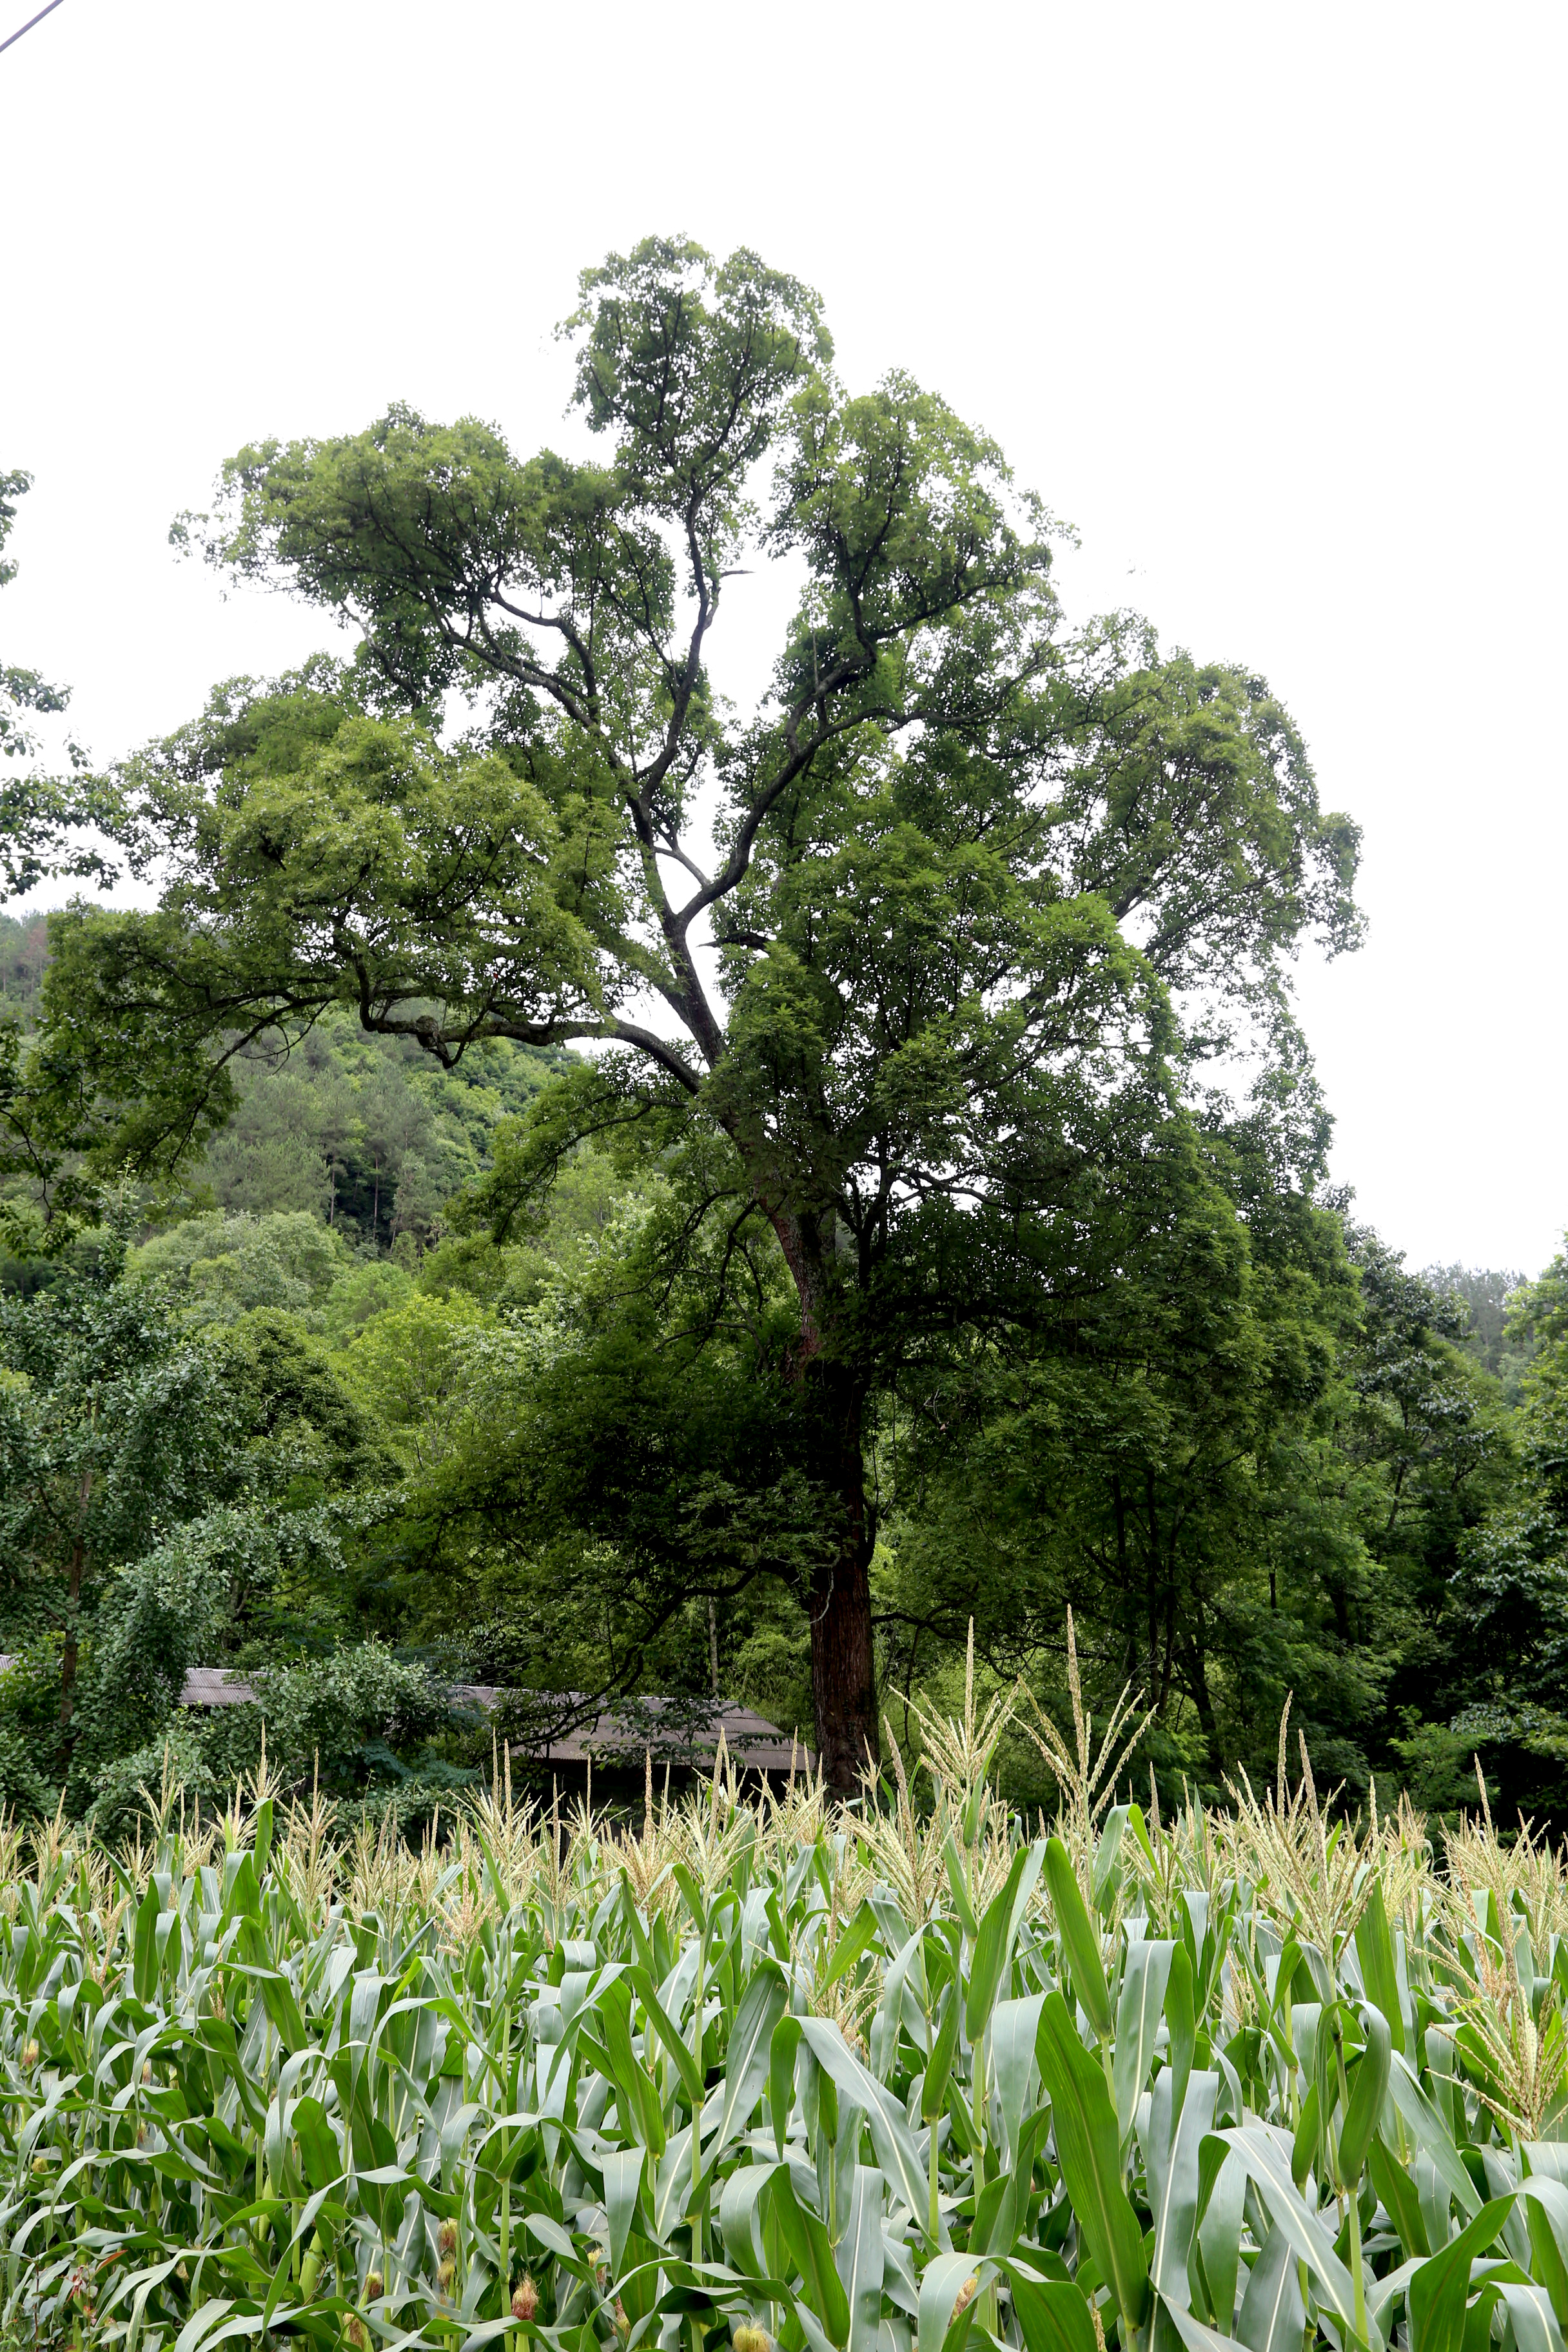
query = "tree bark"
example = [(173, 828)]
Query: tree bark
[(70, 1651), (843, 1653), (69, 1656), (1198, 1686), (843, 1656)]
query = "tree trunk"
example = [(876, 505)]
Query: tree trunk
[(69, 1656), (843, 1660), (843, 1656), (70, 1650), (1198, 1687)]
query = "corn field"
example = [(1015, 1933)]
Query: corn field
[(768, 2072)]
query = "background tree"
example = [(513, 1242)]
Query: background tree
[(174, 1495), (1508, 1620), (34, 811), (1174, 1479), (36, 817), (23, 693), (1486, 1294), (110, 1430)]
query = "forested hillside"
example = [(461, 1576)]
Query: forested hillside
[(364, 1133)]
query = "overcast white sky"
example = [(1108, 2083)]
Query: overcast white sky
[(1267, 299)]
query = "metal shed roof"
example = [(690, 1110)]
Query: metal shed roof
[(755, 1744), (215, 1686), (203, 1686), (611, 1739)]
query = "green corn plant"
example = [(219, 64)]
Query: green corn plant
[(765, 2072)]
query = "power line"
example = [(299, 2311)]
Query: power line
[(29, 25)]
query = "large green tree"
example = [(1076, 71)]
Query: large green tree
[(919, 954)]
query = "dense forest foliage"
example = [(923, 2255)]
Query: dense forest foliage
[(388, 1307), (360, 1450)]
